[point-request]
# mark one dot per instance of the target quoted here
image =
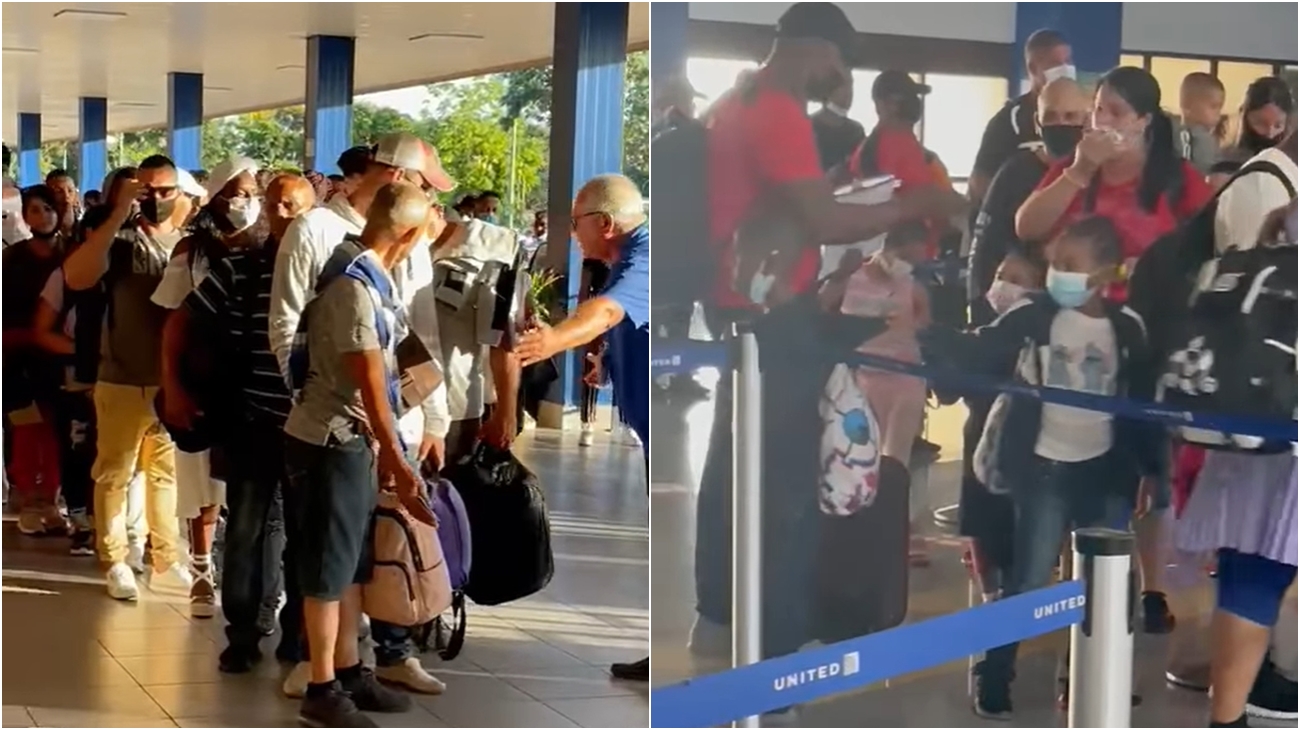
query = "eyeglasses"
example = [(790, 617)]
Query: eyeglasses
[(573, 224)]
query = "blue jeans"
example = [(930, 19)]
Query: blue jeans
[(1053, 498)]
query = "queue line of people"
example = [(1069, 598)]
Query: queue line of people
[(1070, 191), (214, 344)]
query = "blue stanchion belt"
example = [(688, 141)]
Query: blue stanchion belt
[(780, 682), (676, 359)]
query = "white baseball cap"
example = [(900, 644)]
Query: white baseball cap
[(404, 150), (229, 170), (188, 185)]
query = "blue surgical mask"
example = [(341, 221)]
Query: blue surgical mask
[(490, 218), (1069, 289)]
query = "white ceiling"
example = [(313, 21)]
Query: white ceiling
[(251, 54)]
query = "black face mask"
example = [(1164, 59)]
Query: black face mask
[(156, 211), (910, 109), (821, 88), (1061, 139)]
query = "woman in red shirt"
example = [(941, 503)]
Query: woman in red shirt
[(1125, 168)]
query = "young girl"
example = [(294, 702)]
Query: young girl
[(1062, 467), (983, 516), (883, 287)]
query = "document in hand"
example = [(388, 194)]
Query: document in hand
[(871, 191)]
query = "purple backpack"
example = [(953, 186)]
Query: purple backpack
[(453, 534)]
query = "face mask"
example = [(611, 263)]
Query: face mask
[(836, 109), (243, 212), (490, 218), (1004, 294), (820, 89), (1069, 289), (911, 108), (1061, 139), (1064, 71), (896, 267), (156, 211)]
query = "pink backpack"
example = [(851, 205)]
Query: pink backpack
[(410, 585)]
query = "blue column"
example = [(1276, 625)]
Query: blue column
[(185, 119), (29, 149), (328, 120), (586, 136), (668, 27), (92, 150), (1094, 31)]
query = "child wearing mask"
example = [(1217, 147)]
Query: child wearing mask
[(1200, 99), (987, 518), (1062, 467), (883, 287)]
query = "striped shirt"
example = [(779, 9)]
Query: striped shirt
[(237, 292)]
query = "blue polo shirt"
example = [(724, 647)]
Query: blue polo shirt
[(627, 357)]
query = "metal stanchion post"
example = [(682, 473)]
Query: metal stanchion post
[(747, 511), (1101, 646)]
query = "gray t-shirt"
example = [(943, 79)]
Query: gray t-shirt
[(339, 321), (1198, 146), (131, 342)]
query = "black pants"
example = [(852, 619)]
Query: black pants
[(74, 415), (255, 539)]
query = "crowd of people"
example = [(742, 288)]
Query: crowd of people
[(188, 349), (1075, 190)]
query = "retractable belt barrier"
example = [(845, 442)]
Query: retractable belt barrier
[(1097, 605), (692, 355)]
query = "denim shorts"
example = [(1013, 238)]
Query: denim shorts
[(329, 498)]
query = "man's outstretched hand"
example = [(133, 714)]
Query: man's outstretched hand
[(536, 345)]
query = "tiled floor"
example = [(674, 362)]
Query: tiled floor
[(933, 698), (75, 658)]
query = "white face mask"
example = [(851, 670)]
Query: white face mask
[(760, 286), (1064, 71), (1004, 294), (836, 110), (244, 212), (895, 267)]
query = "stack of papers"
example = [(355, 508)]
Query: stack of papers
[(871, 191)]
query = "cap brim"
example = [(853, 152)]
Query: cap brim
[(436, 178)]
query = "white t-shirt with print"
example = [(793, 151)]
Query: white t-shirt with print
[(1081, 357), (1248, 200)]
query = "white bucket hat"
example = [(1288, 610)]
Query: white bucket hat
[(229, 170)]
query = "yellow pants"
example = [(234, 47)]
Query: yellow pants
[(130, 433)]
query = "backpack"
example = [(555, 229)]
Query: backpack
[(1237, 351), (410, 585), (457, 551), (1164, 278), (508, 521), (685, 263)]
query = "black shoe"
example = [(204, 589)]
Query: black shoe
[(368, 694), (1156, 616), (1273, 697), (329, 706), (1239, 722), (992, 693), (633, 672), (83, 544), (239, 658)]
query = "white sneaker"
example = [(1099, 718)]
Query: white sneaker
[(413, 676), (176, 578), (295, 685), (587, 437), (135, 556), (203, 596), (121, 583)]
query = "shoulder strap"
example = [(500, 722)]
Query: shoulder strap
[(1266, 167)]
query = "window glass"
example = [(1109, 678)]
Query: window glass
[(1170, 72), (956, 112), (1289, 73), (1236, 77), (712, 77), (863, 110), (1129, 60)]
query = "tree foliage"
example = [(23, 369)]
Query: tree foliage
[(480, 127)]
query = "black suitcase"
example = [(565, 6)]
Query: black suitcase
[(862, 565)]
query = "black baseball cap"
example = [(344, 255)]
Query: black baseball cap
[(891, 84), (821, 21), (354, 160)]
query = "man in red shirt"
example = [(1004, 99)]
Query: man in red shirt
[(763, 163)]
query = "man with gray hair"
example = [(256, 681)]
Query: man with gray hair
[(609, 224)]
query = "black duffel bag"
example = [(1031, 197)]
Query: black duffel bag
[(510, 529)]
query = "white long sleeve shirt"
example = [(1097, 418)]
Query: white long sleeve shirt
[(306, 246)]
